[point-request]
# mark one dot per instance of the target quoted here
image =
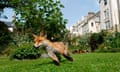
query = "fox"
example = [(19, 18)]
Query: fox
[(54, 49)]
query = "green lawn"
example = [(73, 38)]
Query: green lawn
[(91, 62)]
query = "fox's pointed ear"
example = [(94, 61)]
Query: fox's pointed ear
[(34, 35), (43, 34)]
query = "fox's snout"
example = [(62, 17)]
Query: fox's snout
[(35, 46)]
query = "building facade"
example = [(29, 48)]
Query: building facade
[(110, 15), (89, 24), (74, 31), (108, 18)]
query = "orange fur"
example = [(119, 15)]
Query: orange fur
[(52, 47)]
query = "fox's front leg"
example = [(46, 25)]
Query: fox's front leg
[(54, 57)]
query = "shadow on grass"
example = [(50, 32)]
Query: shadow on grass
[(45, 63), (49, 63)]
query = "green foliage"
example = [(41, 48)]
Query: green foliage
[(113, 40), (73, 47), (111, 43), (98, 42), (91, 42), (3, 4), (40, 15), (25, 51), (5, 36), (96, 39), (80, 43), (21, 39), (83, 43)]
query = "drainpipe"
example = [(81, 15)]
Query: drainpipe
[(110, 15), (118, 5)]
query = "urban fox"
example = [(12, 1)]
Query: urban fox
[(52, 48)]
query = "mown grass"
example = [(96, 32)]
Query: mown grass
[(91, 62)]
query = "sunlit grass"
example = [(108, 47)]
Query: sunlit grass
[(93, 62)]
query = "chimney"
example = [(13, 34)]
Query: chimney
[(90, 14)]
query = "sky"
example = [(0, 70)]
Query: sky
[(74, 10), (9, 13)]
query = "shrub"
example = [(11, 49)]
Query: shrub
[(114, 50), (104, 48), (95, 40), (112, 40), (83, 43), (80, 43), (25, 52), (111, 43)]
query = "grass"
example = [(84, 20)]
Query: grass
[(92, 62)]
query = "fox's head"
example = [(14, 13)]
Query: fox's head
[(39, 40)]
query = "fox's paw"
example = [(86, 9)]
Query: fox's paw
[(56, 63)]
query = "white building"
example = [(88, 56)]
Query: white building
[(110, 14), (108, 18), (89, 24), (74, 31)]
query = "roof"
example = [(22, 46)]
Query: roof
[(8, 23)]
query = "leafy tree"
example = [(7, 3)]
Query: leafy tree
[(40, 15), (4, 33), (4, 36), (4, 3)]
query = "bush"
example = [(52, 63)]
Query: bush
[(111, 43), (79, 43), (105, 49), (83, 43), (112, 40), (95, 40), (25, 52), (114, 50)]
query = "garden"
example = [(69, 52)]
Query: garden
[(94, 52)]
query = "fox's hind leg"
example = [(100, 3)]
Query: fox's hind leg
[(54, 58), (67, 55)]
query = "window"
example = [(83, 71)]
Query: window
[(92, 24), (107, 23), (105, 2), (106, 13)]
